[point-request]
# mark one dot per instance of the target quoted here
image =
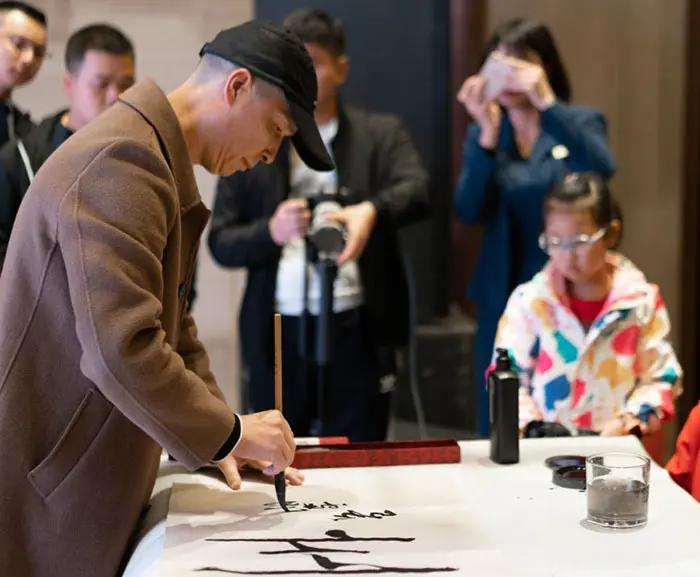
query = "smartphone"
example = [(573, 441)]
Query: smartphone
[(495, 72)]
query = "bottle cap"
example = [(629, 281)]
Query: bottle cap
[(502, 360)]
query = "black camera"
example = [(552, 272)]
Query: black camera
[(326, 236)]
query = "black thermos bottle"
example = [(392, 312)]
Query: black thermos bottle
[(504, 386)]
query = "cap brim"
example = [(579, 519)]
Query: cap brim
[(307, 140)]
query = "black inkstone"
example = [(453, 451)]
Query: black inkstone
[(572, 477), (560, 461)]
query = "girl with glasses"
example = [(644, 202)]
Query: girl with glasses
[(589, 335)]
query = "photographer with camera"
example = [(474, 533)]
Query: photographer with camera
[(281, 219)]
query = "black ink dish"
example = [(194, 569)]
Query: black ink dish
[(571, 477), (560, 461)]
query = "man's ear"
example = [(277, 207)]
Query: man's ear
[(68, 84), (342, 64), (238, 82)]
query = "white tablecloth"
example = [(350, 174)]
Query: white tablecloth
[(539, 528)]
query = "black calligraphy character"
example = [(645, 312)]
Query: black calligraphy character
[(324, 505), (307, 547), (293, 506), (350, 514)]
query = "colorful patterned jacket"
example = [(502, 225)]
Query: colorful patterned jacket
[(623, 364)]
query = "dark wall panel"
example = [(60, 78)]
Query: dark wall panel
[(398, 52)]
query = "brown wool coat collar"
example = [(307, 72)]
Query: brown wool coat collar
[(152, 103)]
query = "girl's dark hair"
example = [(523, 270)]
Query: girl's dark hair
[(522, 35), (584, 190), (617, 215)]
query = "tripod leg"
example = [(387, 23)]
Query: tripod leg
[(327, 272)]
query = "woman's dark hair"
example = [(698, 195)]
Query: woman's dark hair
[(522, 35), (584, 190)]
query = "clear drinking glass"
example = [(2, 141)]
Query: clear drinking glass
[(617, 485)]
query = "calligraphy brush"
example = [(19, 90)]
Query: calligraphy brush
[(280, 479)]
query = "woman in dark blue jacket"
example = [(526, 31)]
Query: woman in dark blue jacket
[(520, 143)]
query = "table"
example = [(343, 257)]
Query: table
[(515, 510)]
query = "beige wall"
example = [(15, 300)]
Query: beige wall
[(167, 35), (627, 58)]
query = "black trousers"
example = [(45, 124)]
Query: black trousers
[(356, 406)]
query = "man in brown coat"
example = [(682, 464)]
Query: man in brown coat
[(100, 365)]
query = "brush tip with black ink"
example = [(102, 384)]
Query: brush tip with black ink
[(281, 490)]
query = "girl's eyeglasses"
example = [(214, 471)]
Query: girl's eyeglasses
[(579, 244)]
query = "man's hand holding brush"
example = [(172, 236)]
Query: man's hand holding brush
[(266, 444)]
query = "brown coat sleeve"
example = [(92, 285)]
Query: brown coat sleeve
[(196, 359), (113, 227)]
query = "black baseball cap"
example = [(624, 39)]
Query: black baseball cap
[(278, 56)]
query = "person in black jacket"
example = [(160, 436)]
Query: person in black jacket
[(259, 222), (99, 62), (22, 52)]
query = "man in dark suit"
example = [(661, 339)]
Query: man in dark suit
[(22, 51), (99, 67), (260, 220)]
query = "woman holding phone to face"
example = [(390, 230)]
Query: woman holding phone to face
[(524, 137)]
